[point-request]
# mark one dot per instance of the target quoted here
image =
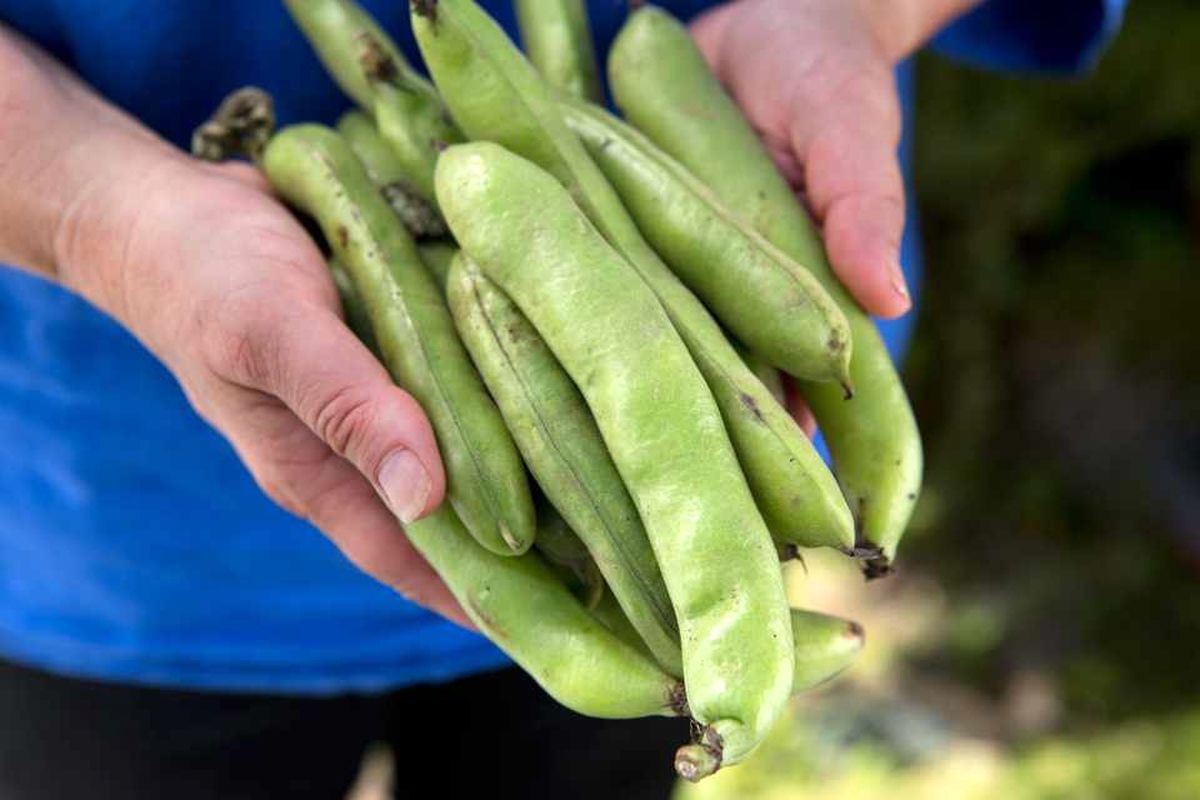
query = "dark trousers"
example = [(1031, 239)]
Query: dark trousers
[(497, 733)]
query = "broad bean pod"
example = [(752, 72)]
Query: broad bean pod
[(523, 607), (313, 168), (563, 447), (658, 420), (558, 545), (768, 301), (496, 95), (419, 215), (353, 310), (437, 258), (873, 438), (556, 37), (369, 67)]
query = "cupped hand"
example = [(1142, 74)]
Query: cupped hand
[(221, 283), (815, 78)]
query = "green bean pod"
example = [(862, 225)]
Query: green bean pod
[(369, 67), (613, 617), (825, 647), (495, 95), (556, 37), (419, 215), (353, 309), (873, 438), (337, 29), (560, 547), (437, 257), (765, 372), (314, 169), (521, 606), (658, 420), (554, 430), (769, 302)]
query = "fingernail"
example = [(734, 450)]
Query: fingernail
[(899, 285), (405, 485)]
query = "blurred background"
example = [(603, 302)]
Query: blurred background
[(1042, 636)]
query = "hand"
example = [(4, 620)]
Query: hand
[(217, 279), (815, 78)]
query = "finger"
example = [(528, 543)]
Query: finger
[(853, 183), (708, 30), (307, 357), (302, 474)]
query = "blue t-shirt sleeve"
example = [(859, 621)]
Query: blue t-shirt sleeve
[(1064, 37)]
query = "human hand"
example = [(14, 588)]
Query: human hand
[(218, 280), (815, 78)]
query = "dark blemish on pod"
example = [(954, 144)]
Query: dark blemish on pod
[(678, 701), (751, 405), (375, 61), (343, 236), (426, 8)]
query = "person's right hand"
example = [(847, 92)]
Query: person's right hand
[(220, 282)]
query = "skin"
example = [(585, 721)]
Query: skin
[(523, 606), (873, 437), (368, 66), (564, 449), (764, 298), (556, 37), (315, 170), (605, 326), (495, 95)]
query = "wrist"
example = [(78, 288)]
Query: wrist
[(902, 26), (101, 226)]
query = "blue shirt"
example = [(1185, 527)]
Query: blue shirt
[(133, 544)]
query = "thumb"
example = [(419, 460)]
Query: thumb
[(311, 361)]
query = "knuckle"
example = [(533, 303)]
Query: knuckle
[(240, 336), (343, 419)]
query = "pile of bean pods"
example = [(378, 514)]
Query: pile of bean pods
[(601, 305)]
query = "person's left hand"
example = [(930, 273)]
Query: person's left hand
[(815, 78)]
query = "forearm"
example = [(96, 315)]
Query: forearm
[(62, 149), (902, 26)]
